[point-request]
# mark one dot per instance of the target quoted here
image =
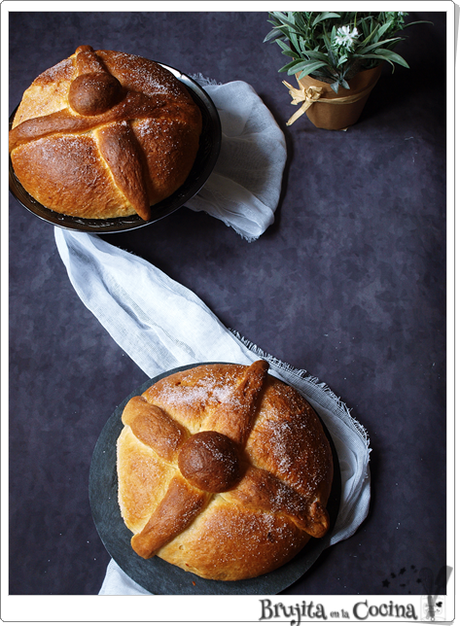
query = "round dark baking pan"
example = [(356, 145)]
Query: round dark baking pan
[(205, 161), (157, 576)]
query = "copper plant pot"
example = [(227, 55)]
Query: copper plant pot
[(336, 111)]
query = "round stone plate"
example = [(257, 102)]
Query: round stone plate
[(155, 575)]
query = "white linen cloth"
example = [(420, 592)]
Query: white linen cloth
[(244, 187), (161, 324)]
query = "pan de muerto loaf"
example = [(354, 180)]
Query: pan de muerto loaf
[(223, 471), (104, 134)]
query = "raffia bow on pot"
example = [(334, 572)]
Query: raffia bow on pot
[(305, 95), (315, 96)]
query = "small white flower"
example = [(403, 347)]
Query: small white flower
[(346, 38)]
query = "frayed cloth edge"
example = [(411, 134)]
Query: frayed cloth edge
[(305, 375), (203, 80)]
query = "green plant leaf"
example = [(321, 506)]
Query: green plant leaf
[(306, 67), (335, 86), (284, 46), (288, 66), (324, 16), (295, 42), (316, 54), (383, 29), (378, 44), (284, 18), (273, 34), (386, 55)]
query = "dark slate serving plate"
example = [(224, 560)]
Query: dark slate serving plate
[(155, 575), (208, 152)]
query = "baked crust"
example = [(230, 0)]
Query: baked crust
[(233, 476), (104, 134)]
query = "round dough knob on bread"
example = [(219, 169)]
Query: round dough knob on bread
[(209, 461), (104, 134), (223, 471)]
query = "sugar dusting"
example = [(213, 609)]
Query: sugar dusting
[(191, 400)]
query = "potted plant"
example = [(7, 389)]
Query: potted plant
[(337, 59)]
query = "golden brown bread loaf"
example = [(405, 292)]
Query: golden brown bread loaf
[(104, 134), (223, 471)]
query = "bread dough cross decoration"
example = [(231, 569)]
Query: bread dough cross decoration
[(97, 100), (213, 461)]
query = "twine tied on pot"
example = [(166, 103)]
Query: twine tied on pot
[(308, 95), (305, 95)]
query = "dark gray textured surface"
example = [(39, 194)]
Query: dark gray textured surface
[(348, 283)]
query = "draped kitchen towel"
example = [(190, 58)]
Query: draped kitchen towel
[(161, 324), (244, 188)]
